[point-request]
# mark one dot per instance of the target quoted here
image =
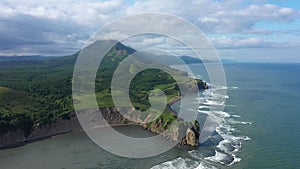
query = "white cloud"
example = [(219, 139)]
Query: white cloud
[(63, 25), (227, 42), (90, 13), (220, 16), (252, 42), (242, 20), (211, 16)]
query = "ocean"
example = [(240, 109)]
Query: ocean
[(259, 129)]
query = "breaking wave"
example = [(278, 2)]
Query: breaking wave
[(222, 146)]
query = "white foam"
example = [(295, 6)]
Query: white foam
[(218, 87), (221, 113), (246, 138), (219, 96), (215, 113), (246, 122), (221, 157), (213, 103), (203, 111), (226, 149), (224, 126), (218, 157), (178, 163), (222, 146), (204, 107), (181, 163), (202, 166), (235, 160)]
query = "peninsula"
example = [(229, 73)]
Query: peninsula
[(36, 97)]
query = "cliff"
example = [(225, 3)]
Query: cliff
[(186, 133), (60, 126)]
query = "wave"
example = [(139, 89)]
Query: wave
[(204, 107), (224, 128), (226, 146), (231, 143), (211, 93), (212, 103), (239, 122), (219, 96), (222, 114), (235, 160), (222, 158), (214, 86), (177, 163), (236, 116), (219, 114), (181, 163), (246, 122), (202, 166), (224, 143)]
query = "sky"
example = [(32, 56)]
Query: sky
[(242, 30)]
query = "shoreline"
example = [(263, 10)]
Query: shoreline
[(169, 105), (20, 144), (24, 141)]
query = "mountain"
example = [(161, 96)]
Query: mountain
[(189, 59), (47, 82), (38, 92), (168, 59), (22, 58)]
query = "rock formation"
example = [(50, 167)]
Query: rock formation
[(191, 135)]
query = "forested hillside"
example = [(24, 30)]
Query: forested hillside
[(38, 91)]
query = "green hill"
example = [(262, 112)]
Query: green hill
[(39, 91), (15, 110)]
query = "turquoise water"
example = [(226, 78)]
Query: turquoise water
[(261, 118)]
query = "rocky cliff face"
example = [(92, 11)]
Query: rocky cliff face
[(60, 126), (183, 132), (12, 138), (190, 138), (186, 133)]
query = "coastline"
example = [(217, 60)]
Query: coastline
[(62, 127), (170, 103)]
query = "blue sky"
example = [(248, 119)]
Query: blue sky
[(246, 30)]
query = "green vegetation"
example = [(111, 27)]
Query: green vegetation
[(15, 111), (37, 92)]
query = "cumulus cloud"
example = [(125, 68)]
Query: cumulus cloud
[(252, 42), (220, 16), (58, 27), (89, 13), (29, 35), (61, 27), (227, 42), (243, 20)]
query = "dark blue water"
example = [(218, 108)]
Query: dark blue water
[(268, 95), (266, 98)]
